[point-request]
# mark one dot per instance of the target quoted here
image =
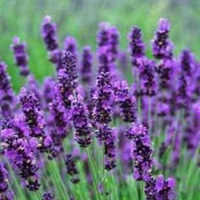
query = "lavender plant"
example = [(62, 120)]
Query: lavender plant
[(88, 133)]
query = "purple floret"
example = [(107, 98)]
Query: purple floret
[(141, 151), (20, 56), (6, 93), (86, 65), (136, 45), (162, 46), (81, 123)]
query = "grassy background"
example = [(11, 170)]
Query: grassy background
[(80, 18)]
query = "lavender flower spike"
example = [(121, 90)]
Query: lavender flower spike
[(32, 113), (126, 101), (70, 45), (141, 152), (103, 99), (136, 45), (81, 123), (86, 65), (4, 193), (20, 55), (71, 168), (162, 46), (6, 93), (67, 78), (165, 188), (49, 34)]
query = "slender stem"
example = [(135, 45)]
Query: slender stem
[(93, 175), (114, 186), (37, 195), (57, 179)]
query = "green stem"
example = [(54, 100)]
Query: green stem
[(57, 179), (114, 186), (93, 175), (16, 183)]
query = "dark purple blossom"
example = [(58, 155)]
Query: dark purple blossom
[(49, 34), (103, 98), (103, 34), (48, 91), (70, 45), (3, 179), (20, 153), (165, 188), (32, 113), (114, 42), (141, 151), (47, 196), (71, 168), (21, 56), (107, 135), (81, 123), (126, 101), (6, 92), (146, 69), (86, 65), (67, 78), (136, 45), (162, 46), (187, 62)]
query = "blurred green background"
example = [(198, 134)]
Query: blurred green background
[(80, 18)]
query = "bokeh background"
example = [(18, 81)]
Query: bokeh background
[(80, 19)]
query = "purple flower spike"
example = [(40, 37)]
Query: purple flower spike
[(103, 98), (67, 78), (86, 65), (105, 59), (20, 153), (162, 46), (49, 34), (141, 152), (147, 77), (114, 42), (81, 124), (20, 55), (103, 34), (6, 92), (47, 196), (3, 179), (48, 91), (70, 45), (165, 188), (108, 136), (187, 62), (136, 45), (126, 100), (110, 148), (32, 113), (71, 168)]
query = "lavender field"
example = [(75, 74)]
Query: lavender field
[(98, 121)]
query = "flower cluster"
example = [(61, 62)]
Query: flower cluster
[(67, 78), (141, 151), (136, 45), (81, 123), (86, 66), (6, 92), (20, 55), (20, 153), (126, 101), (162, 46), (103, 99), (71, 168)]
